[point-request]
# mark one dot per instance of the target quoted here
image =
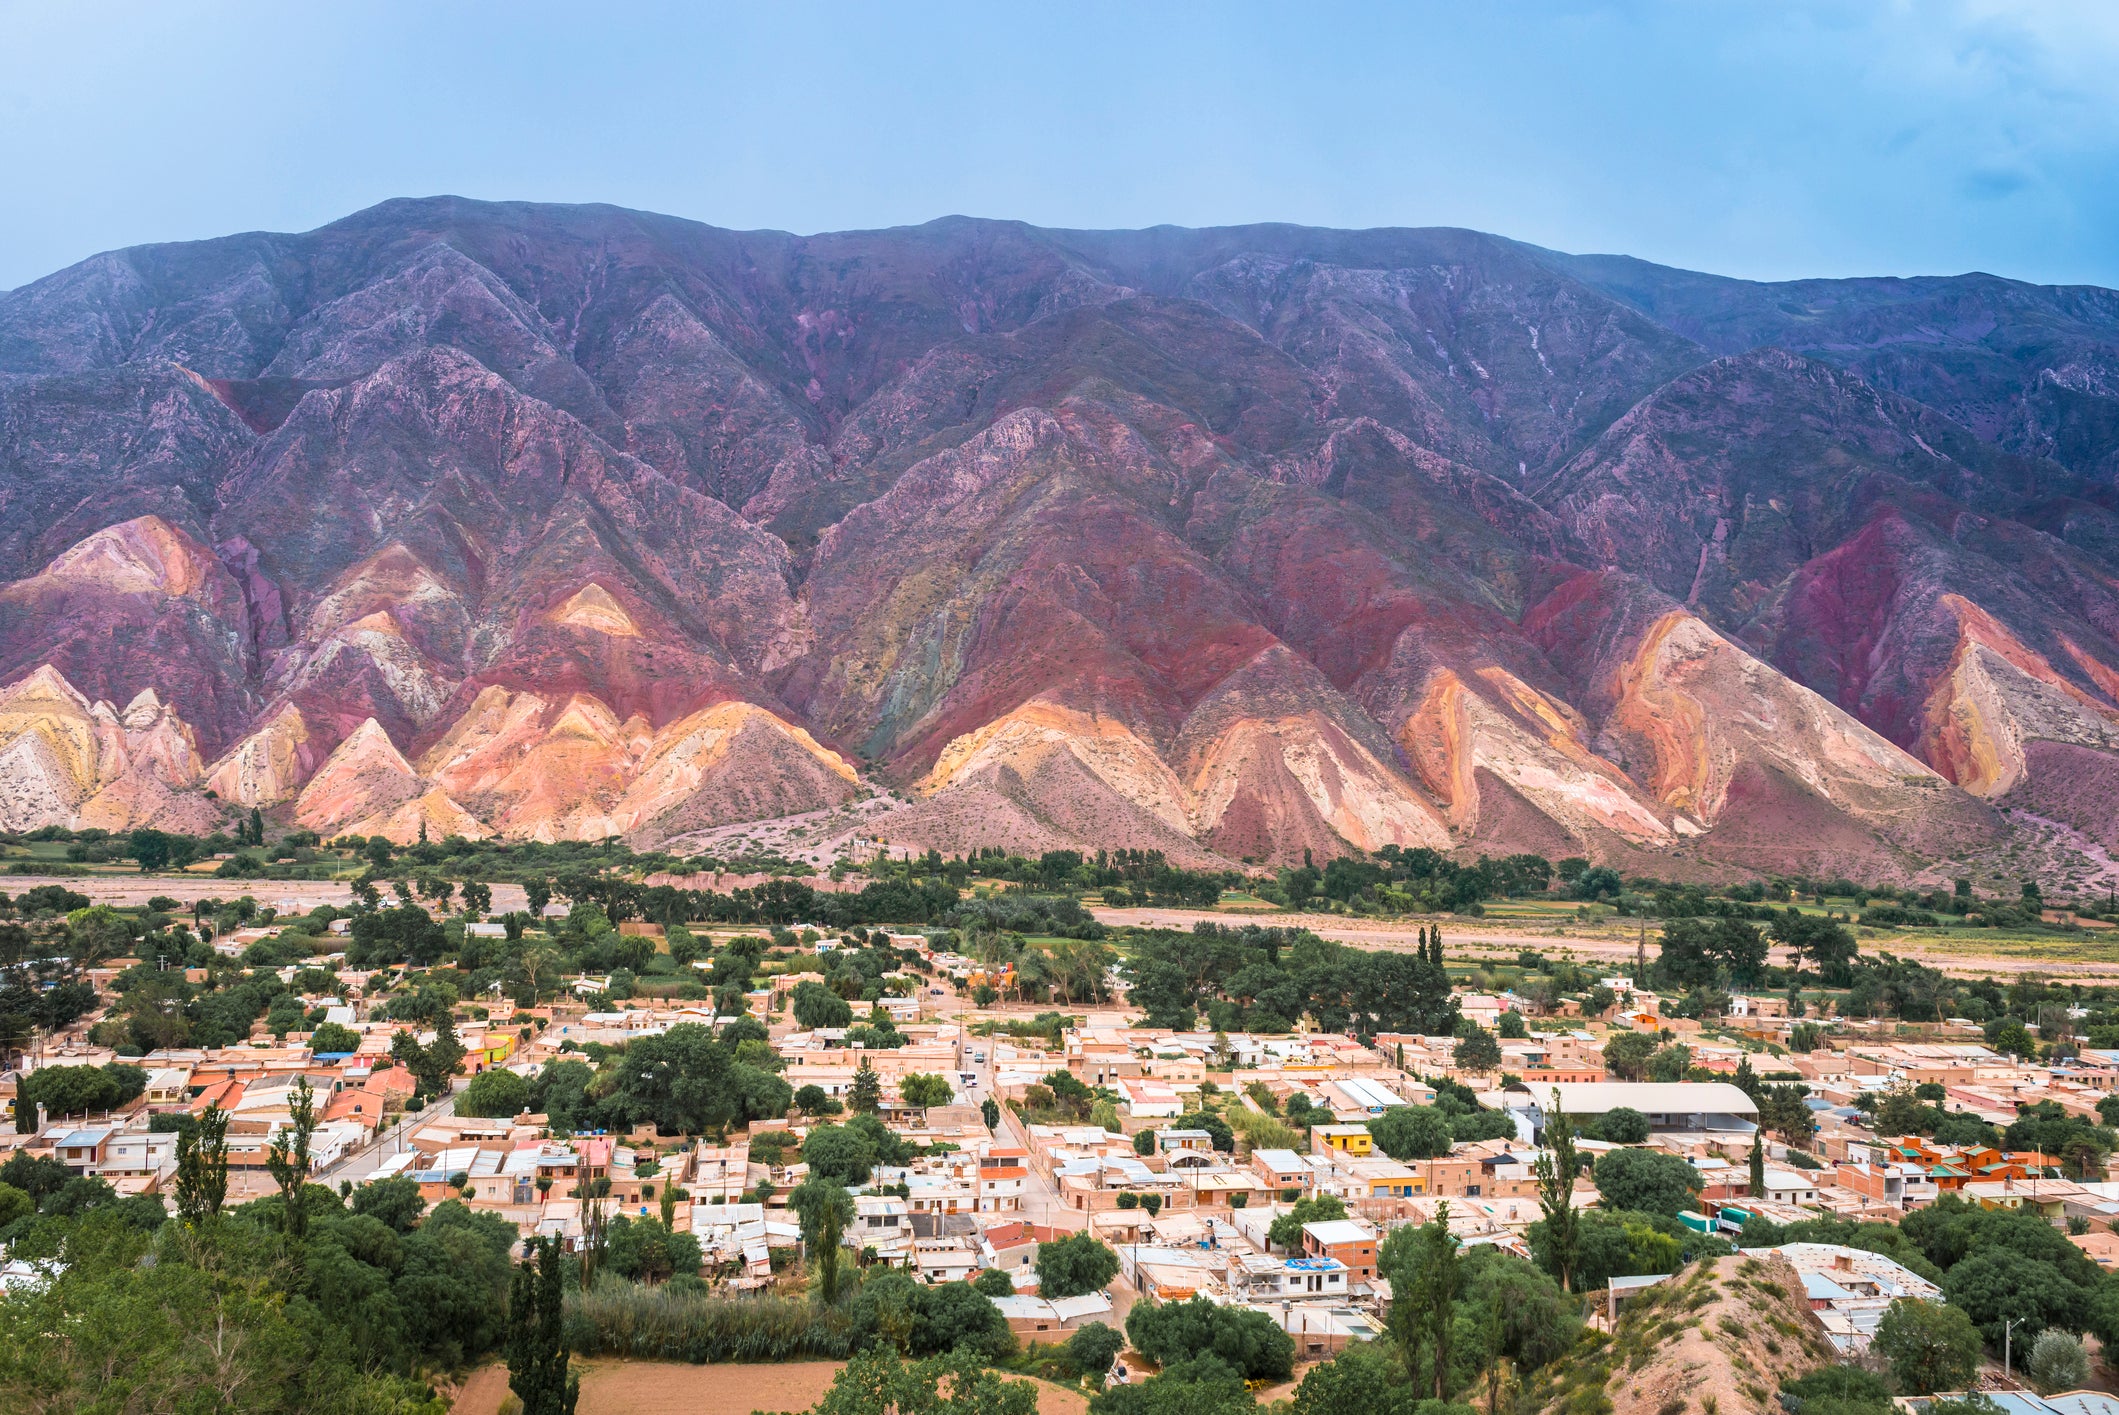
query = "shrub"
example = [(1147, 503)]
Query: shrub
[(2058, 1361), (1169, 1332), (655, 1324)]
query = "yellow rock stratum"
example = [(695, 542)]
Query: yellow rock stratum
[(67, 761), (1267, 780), (1689, 707), (1529, 740), (517, 765)]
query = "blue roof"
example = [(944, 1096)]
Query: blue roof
[(1314, 1265)]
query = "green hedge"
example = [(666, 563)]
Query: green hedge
[(657, 1325)]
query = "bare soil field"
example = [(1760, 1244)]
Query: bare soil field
[(133, 891), (672, 1388)]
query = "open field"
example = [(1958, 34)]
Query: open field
[(1509, 925), (131, 889), (672, 1388), (1968, 952)]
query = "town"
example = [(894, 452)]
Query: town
[(744, 1120)]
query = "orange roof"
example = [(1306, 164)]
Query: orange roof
[(222, 1093)]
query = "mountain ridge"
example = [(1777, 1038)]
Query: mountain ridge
[(1253, 534)]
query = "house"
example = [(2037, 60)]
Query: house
[(82, 1150), (1283, 1169), (2100, 1246), (1177, 1142), (938, 1260), (1347, 1241), (1788, 1186), (138, 1152), (1849, 1289), (1365, 1096), (1030, 1316), (169, 1085), (1347, 1139), (1149, 1100), (1001, 1176), (882, 1222), (1259, 1277)]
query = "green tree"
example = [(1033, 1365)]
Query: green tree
[(994, 1282), (1671, 1062), (498, 1094), (1900, 1112), (1555, 1170), (331, 1039), (151, 848), (536, 1350), (880, 1382), (1361, 1380), (1072, 1266), (1623, 1125), (1425, 1269), (75, 1090), (202, 1167), (1929, 1346), (1995, 1284), (1249, 1342), (839, 1153), (925, 1090), (1758, 1164), (1477, 1051), (816, 1005), (288, 1161), (824, 1209), (1626, 1055), (990, 1112), (1651, 1181), (865, 1096), (1286, 1231), (1094, 1347), (395, 1202), (1202, 1385), (1411, 1132)]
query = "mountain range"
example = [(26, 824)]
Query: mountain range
[(570, 521)]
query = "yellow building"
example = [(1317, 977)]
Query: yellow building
[(1347, 1139)]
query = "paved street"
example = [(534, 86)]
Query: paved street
[(357, 1166)]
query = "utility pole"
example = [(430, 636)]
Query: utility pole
[(2008, 1331)]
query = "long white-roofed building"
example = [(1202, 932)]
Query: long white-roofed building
[(1695, 1106)]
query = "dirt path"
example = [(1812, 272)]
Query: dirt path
[(673, 1388)]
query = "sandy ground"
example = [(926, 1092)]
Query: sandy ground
[(304, 894), (670, 1388)]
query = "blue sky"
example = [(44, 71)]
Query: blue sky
[(1771, 140)]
